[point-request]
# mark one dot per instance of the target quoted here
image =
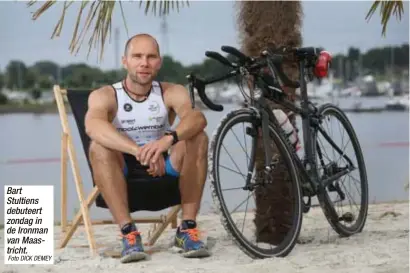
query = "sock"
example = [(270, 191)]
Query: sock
[(188, 224), (127, 228)]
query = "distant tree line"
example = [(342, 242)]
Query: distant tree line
[(376, 61), (43, 74)]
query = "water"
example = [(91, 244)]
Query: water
[(38, 136)]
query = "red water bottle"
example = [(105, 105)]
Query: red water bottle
[(322, 64)]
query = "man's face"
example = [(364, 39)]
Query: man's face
[(142, 60)]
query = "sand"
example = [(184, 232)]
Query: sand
[(383, 246)]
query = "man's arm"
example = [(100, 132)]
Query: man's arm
[(192, 121), (98, 125)]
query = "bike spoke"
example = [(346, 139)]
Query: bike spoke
[(229, 169), (247, 157), (355, 184), (231, 189), (238, 206), (246, 210), (348, 193), (246, 147), (234, 162)]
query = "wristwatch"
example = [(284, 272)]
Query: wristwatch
[(174, 136)]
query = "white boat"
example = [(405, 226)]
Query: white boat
[(398, 103)]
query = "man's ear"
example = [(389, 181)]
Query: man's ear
[(160, 62), (124, 62)]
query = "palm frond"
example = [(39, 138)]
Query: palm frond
[(101, 14), (387, 8)]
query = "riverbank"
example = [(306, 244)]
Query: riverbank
[(28, 108), (45, 108), (381, 247)]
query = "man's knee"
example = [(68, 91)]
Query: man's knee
[(101, 154), (199, 143)]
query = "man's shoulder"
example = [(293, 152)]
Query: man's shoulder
[(105, 90), (104, 94), (171, 87)]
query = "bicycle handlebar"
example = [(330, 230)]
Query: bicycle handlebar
[(272, 58), (219, 58), (233, 51), (200, 84)]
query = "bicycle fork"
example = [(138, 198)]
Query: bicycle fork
[(262, 118)]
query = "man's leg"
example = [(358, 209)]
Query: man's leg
[(108, 175), (107, 166), (189, 158)]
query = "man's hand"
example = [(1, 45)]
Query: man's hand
[(158, 168), (150, 152)]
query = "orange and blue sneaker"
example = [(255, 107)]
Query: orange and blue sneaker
[(133, 249), (188, 243)]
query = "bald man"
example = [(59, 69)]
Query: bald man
[(129, 126)]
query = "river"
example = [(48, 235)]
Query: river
[(38, 136)]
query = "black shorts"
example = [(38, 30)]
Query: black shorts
[(146, 192)]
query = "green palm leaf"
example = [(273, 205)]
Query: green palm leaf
[(387, 8), (100, 14)]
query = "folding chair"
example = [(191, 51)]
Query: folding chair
[(78, 101)]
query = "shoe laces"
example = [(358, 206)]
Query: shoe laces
[(131, 237), (193, 234)]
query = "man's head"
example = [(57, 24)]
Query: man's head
[(142, 58)]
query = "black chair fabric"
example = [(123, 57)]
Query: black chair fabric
[(143, 194)]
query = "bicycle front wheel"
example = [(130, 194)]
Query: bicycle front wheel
[(344, 200), (238, 133)]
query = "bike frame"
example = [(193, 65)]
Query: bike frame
[(310, 122)]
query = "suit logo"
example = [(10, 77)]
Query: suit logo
[(154, 107), (127, 107), (128, 121)]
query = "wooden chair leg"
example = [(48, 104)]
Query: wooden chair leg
[(63, 179), (90, 200), (174, 223), (173, 213)]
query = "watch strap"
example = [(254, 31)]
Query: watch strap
[(174, 136)]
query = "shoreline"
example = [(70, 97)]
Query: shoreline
[(8, 109), (51, 108), (399, 202), (381, 247)]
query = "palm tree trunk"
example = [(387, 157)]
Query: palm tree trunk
[(278, 23)]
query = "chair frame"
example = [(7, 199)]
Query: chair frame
[(68, 229)]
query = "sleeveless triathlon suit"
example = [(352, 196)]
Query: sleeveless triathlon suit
[(143, 122)]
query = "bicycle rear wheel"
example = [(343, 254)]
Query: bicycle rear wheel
[(234, 222), (345, 223)]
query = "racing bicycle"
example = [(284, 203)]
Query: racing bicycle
[(312, 174)]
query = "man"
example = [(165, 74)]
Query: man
[(128, 124)]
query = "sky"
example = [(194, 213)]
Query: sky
[(204, 25)]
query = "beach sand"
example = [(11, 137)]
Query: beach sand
[(383, 246)]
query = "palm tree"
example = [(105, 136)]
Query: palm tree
[(277, 23), (260, 23), (100, 13), (387, 8)]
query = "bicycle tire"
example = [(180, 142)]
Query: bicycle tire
[(282, 250), (323, 198)]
